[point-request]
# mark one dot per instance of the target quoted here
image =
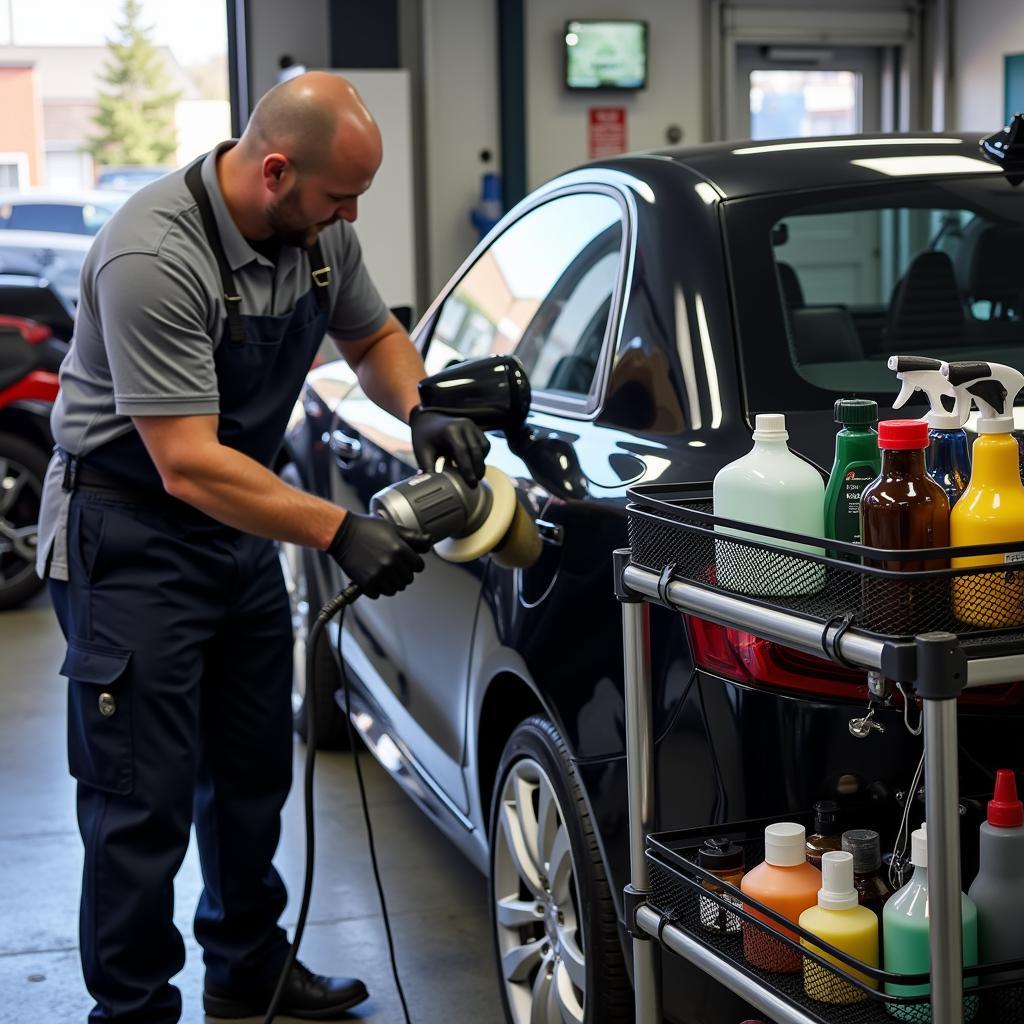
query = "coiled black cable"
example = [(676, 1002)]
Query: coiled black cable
[(339, 603)]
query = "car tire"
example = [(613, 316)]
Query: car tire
[(24, 464), (553, 920), (297, 566)]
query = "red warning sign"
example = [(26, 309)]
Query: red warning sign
[(607, 132)]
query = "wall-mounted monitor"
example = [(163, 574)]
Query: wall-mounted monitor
[(605, 54)]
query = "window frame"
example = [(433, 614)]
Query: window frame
[(582, 407)]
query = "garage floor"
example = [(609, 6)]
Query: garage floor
[(438, 901)]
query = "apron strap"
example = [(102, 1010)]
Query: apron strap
[(321, 274), (232, 300)]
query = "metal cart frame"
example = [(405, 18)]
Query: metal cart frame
[(935, 664)]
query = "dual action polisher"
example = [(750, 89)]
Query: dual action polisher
[(466, 522)]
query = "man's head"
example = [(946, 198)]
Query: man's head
[(316, 148)]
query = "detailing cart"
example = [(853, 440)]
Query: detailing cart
[(898, 616)]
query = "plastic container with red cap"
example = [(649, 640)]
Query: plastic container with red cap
[(998, 890)]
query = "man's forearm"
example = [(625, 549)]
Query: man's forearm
[(389, 373), (236, 490)]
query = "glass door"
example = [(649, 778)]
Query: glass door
[(800, 92)]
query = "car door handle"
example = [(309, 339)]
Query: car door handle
[(345, 447), (550, 533)]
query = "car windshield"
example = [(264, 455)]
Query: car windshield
[(828, 285)]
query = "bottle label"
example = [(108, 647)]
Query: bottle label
[(858, 476)]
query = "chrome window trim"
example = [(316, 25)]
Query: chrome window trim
[(621, 187)]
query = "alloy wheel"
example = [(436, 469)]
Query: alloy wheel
[(537, 910), (294, 570), (20, 495)]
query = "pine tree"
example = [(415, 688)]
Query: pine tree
[(136, 114)]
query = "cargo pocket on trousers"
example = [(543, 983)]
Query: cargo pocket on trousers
[(99, 716)]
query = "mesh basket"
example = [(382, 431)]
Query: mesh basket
[(892, 594), (808, 973)]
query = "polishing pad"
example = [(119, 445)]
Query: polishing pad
[(482, 541), (521, 546)]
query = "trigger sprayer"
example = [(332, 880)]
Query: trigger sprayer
[(991, 509), (949, 456)]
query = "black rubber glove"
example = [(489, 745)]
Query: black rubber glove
[(376, 555), (456, 438)]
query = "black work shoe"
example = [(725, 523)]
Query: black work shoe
[(306, 995)]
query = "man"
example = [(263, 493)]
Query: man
[(203, 303)]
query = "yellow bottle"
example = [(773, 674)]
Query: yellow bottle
[(991, 510), (840, 920)]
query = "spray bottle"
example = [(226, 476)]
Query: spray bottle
[(948, 458), (991, 509)]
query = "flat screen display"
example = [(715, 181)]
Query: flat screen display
[(606, 54)]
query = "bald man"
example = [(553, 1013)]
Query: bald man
[(203, 303)]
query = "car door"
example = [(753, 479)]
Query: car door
[(543, 289)]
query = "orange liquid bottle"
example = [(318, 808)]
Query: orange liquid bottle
[(787, 884)]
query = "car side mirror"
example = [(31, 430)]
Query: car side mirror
[(494, 392)]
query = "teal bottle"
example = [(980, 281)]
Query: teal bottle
[(905, 938), (858, 462)]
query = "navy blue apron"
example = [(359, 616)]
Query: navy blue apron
[(179, 667)]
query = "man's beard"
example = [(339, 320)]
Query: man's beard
[(286, 221)]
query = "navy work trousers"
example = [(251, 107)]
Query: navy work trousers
[(179, 673)]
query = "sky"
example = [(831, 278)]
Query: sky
[(194, 29)]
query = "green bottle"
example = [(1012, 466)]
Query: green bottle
[(858, 462)]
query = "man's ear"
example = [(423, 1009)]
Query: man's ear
[(276, 168)]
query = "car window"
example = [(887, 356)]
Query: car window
[(63, 217), (827, 289), (542, 290)]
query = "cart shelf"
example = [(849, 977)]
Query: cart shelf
[(899, 614)]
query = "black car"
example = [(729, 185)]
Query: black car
[(657, 302)]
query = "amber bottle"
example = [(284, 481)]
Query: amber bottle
[(904, 508)]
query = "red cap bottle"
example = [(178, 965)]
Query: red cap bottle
[(903, 434), (1004, 809)]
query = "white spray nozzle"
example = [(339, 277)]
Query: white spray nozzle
[(949, 406), (993, 387)]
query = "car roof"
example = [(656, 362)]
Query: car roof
[(751, 168), (45, 239), (96, 197)]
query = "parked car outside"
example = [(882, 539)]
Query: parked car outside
[(129, 178), (658, 302), (81, 213), (56, 257)]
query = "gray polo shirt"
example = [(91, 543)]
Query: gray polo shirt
[(151, 313)]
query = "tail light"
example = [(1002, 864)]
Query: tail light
[(749, 659), (30, 330)]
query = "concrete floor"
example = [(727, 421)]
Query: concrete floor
[(437, 900)]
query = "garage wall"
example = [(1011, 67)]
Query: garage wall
[(986, 31), (275, 28), (556, 119), (460, 68)]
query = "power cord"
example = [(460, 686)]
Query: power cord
[(339, 603)]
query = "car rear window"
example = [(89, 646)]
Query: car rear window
[(827, 286)]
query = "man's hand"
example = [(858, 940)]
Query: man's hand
[(458, 439), (376, 555)]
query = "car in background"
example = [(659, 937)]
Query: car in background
[(129, 178), (82, 213), (658, 303), (55, 257)]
